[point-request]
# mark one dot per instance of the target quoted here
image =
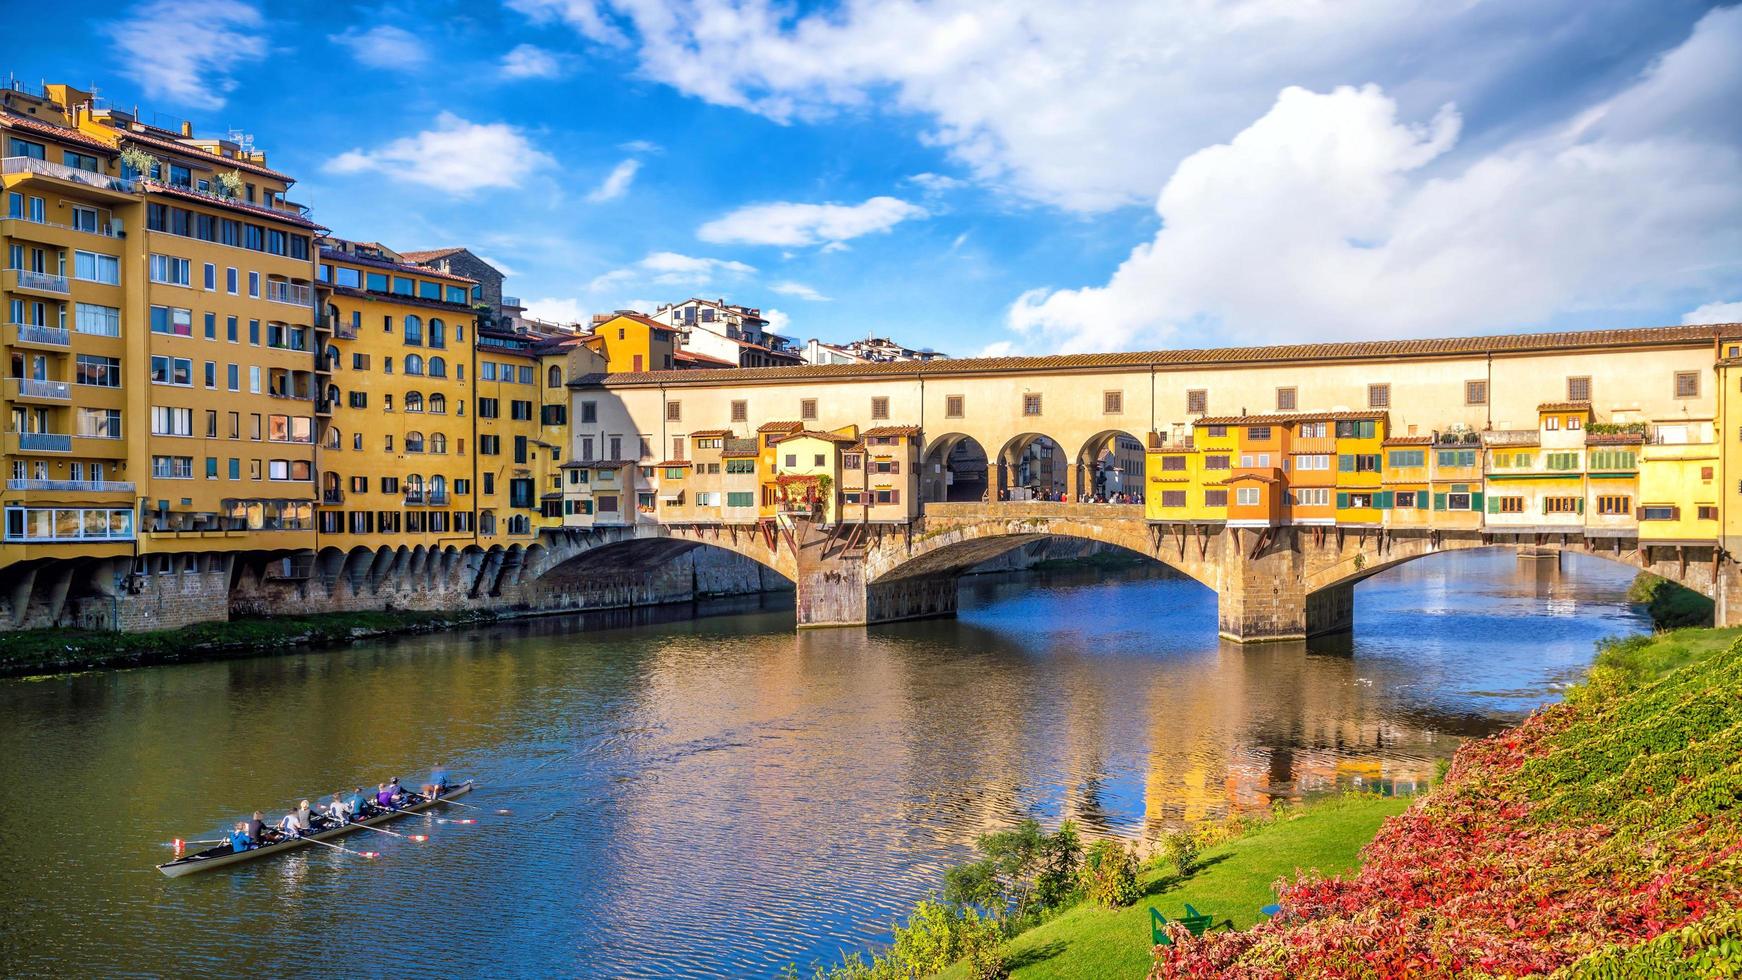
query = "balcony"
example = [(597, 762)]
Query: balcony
[(413, 498), (324, 408), (345, 331), (31, 389), (44, 442), (290, 294), (72, 486), (37, 335), (56, 171), (25, 280), (332, 495), (436, 498)]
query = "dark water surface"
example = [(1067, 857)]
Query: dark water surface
[(722, 796)]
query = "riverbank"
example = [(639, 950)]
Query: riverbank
[(33, 652), (1230, 881), (1598, 838)]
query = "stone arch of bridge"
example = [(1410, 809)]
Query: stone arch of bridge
[(1695, 571), (948, 553), (637, 549), (1105, 466), (1032, 461), (956, 468)]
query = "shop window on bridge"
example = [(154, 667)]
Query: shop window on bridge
[(1358, 463), (1356, 429), (1215, 462), (1409, 457), (1173, 498), (1403, 500), (851, 461), (1505, 505), (1459, 500), (1561, 461), (1457, 457), (1258, 433), (1613, 459), (1215, 498), (1312, 497), (888, 496), (1248, 496), (1614, 505), (1173, 464), (887, 466), (1707, 512), (1563, 505), (1659, 512)]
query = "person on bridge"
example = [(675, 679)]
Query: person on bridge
[(240, 840)]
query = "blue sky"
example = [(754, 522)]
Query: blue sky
[(1020, 176)]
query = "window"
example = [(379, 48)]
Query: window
[(1578, 389), (1456, 457), (1173, 463), (1561, 505), (1378, 396), (254, 284), (1259, 433), (740, 410), (172, 370), (1707, 512), (1215, 498), (1458, 500), (674, 411), (101, 372), (1112, 403), (952, 406), (413, 365), (1405, 499), (1312, 497), (1197, 401), (520, 410), (166, 421), (1358, 463), (94, 267), (1357, 429), (1311, 430), (1173, 498), (489, 408), (1607, 460), (414, 330), (1687, 384), (177, 322), (1408, 457), (1506, 505), (1612, 505), (880, 408), (1031, 405), (807, 409), (169, 269), (65, 524), (1248, 496), (100, 321), (1285, 399), (211, 280), (172, 467), (1215, 462), (1560, 461), (1658, 512)]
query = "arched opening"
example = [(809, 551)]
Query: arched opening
[(1110, 468), (438, 368), (1032, 466), (956, 468), (554, 377)]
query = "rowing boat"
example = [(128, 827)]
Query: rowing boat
[(223, 856)]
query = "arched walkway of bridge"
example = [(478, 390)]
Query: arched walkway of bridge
[(1033, 463), (1110, 466), (956, 469)]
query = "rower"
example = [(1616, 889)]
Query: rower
[(336, 810), (354, 803), (383, 796), (256, 826), (397, 790), (239, 839), (296, 822), (438, 783)]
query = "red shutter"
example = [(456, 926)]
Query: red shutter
[(895, 466), (895, 496)]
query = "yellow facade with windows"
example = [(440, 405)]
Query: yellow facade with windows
[(396, 403)]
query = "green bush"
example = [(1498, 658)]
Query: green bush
[(1110, 874), (1022, 875), (1180, 848), (1671, 606)]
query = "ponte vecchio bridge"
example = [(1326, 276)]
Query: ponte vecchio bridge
[(1619, 439)]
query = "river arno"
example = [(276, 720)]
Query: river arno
[(722, 796)]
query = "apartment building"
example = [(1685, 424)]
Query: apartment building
[(722, 331)]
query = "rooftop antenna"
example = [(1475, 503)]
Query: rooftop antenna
[(245, 141)]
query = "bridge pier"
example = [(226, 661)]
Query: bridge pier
[(1262, 592)]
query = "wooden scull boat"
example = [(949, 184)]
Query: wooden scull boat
[(222, 856)]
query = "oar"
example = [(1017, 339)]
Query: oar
[(441, 799), (184, 843), (453, 820), (380, 830), (365, 854)]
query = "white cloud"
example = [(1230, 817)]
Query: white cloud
[(798, 290), (935, 183), (616, 183), (457, 156), (672, 269), (185, 50), (501, 267), (640, 146), (559, 309), (1320, 220), (786, 223), (531, 61), (383, 46), (1091, 106), (1715, 313), (778, 322)]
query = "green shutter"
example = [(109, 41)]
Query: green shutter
[(1439, 501), (1476, 502), (1581, 505), (1346, 463), (1545, 505), (1385, 499), (1343, 500), (1493, 505)]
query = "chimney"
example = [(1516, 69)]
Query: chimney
[(187, 129)]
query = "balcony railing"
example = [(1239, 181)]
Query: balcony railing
[(332, 496), (414, 496), (345, 331), (290, 294), (31, 165), (72, 486), (45, 442), (105, 229), (33, 333), (32, 388), (435, 498), (42, 282)]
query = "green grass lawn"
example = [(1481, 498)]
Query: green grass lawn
[(1233, 881)]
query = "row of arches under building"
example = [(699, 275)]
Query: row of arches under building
[(1032, 465)]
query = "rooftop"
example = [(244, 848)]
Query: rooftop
[(1497, 344)]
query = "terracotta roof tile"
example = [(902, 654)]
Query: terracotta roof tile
[(780, 427), (673, 462), (710, 433), (1564, 407), (205, 157), (1290, 418), (340, 255), (15, 120), (892, 430), (236, 204), (1409, 441), (426, 254), (834, 437), (1440, 347)]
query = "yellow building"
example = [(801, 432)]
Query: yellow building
[(1678, 486), (516, 463), (808, 470), (396, 402), (1407, 496), (1360, 437), (880, 475), (70, 491), (1172, 476), (1218, 448), (629, 341)]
